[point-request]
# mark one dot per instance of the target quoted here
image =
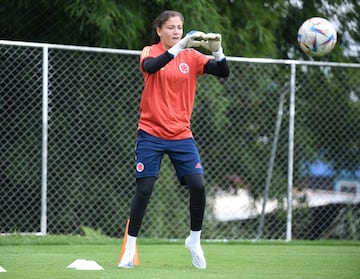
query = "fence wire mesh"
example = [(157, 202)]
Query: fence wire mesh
[(241, 125)]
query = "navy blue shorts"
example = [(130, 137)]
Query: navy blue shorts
[(149, 152)]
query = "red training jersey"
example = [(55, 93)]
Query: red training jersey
[(168, 97)]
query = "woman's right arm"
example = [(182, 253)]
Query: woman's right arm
[(154, 64)]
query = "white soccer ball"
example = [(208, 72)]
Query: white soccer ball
[(317, 36)]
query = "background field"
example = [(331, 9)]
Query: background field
[(47, 257)]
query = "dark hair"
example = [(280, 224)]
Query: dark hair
[(160, 20)]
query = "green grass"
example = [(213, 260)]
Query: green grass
[(47, 257)]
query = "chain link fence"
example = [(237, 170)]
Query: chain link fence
[(274, 131)]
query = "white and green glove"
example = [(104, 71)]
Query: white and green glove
[(211, 42), (185, 42)]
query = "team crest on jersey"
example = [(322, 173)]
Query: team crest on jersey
[(139, 167), (184, 68)]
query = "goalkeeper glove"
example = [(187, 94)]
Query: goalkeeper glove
[(185, 42), (211, 42)]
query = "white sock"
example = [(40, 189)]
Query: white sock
[(195, 236), (131, 243)]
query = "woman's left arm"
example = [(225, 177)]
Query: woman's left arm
[(217, 68)]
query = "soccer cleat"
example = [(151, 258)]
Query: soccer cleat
[(127, 260), (197, 254)]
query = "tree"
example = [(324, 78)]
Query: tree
[(249, 28), (343, 14)]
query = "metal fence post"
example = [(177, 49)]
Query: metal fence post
[(45, 64), (291, 152)]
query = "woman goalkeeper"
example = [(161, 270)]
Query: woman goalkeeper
[(170, 67)]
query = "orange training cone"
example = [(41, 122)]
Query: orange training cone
[(136, 257)]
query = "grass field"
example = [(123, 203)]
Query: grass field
[(47, 257)]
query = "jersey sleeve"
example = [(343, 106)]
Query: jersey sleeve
[(202, 60), (145, 53)]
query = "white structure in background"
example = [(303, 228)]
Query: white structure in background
[(231, 207)]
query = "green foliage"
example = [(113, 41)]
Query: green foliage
[(89, 232), (109, 21), (249, 28), (251, 25), (344, 14), (346, 225), (344, 114)]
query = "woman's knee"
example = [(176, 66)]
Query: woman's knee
[(144, 186), (195, 182)]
